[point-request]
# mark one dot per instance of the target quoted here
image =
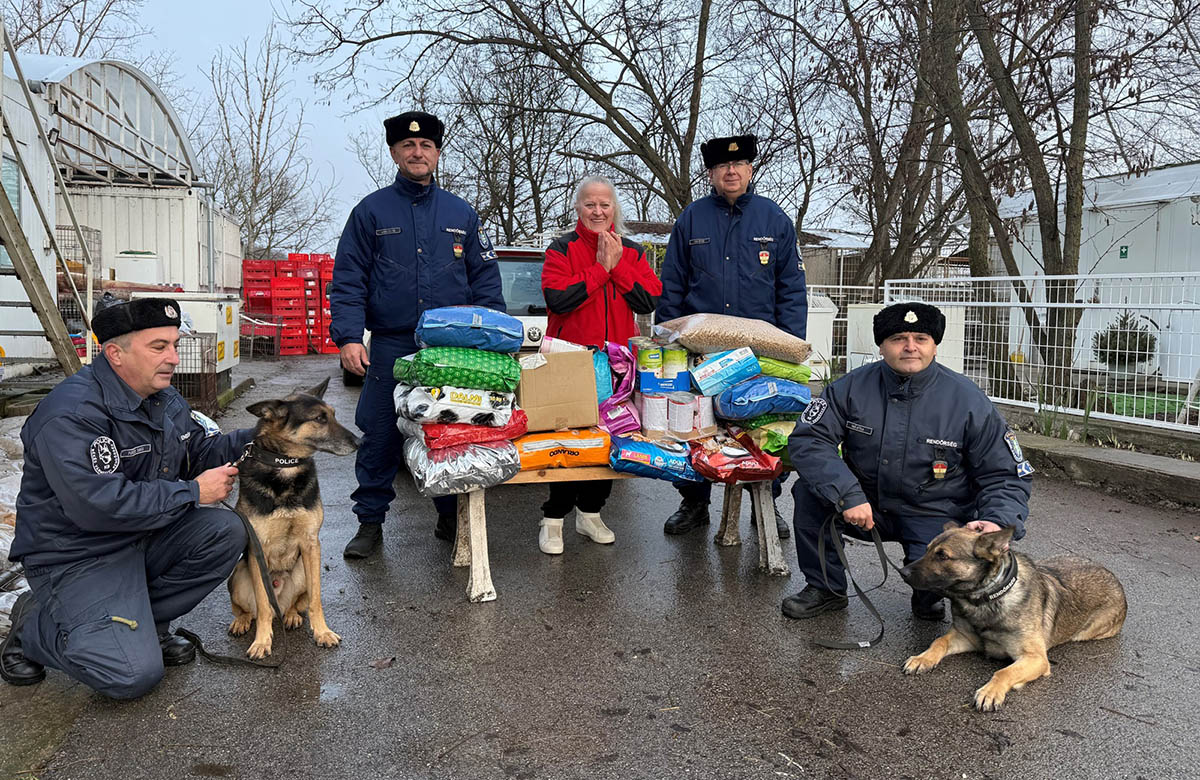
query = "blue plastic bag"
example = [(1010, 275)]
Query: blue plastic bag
[(761, 395), (669, 460), (474, 327), (604, 382)]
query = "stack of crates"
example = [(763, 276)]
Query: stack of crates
[(288, 306), (321, 342), (309, 273), (256, 285)]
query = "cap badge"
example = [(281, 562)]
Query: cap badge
[(910, 317), (170, 312), (413, 126), (733, 147)]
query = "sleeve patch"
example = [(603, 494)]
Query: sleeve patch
[(814, 411), (105, 455), (1024, 469), (205, 422), (484, 242), (1014, 447)]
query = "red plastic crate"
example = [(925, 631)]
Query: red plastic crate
[(326, 269), (286, 284), (257, 276), (297, 257), (267, 266), (308, 271), (320, 257), (285, 268), (255, 294)]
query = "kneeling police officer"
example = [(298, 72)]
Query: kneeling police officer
[(111, 523)]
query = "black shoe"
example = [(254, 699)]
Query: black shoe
[(691, 514), (446, 528), (781, 527), (176, 650), (812, 601), (927, 606), (15, 668), (365, 542)]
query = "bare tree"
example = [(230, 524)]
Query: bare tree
[(257, 157), (641, 65), (73, 28)]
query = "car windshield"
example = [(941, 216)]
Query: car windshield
[(522, 280)]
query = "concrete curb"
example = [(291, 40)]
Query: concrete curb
[(1136, 475)]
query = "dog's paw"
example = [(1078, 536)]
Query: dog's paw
[(919, 664), (240, 625), (260, 649), (990, 697), (293, 619), (326, 638)]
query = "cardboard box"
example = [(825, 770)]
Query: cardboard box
[(561, 393)]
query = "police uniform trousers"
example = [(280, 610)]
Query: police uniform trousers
[(98, 619), (382, 447), (914, 533)]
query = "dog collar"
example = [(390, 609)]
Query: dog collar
[(1001, 586), (269, 458)]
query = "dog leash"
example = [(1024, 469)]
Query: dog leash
[(835, 534), (253, 548)]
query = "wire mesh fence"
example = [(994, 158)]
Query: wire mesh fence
[(68, 242), (1110, 346), (196, 375), (259, 337)]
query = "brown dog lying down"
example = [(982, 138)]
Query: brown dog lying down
[(1006, 605), (279, 495)]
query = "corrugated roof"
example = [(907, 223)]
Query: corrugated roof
[(1127, 189)]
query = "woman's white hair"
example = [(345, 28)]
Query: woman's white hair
[(618, 221)]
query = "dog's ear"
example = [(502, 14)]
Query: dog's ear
[(993, 545), (317, 391), (950, 526), (268, 410)]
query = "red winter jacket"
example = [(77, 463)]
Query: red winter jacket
[(589, 305)]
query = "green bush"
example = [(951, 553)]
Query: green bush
[(1126, 342)]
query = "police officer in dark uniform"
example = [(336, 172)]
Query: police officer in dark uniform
[(111, 523), (406, 248), (921, 445), (732, 252)]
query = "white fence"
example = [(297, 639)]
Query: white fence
[(1113, 346)]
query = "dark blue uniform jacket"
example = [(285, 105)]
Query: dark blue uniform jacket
[(892, 434), (407, 248), (737, 259), (103, 466)]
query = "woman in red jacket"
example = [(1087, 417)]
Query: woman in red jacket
[(594, 281)]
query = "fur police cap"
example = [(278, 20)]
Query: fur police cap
[(414, 124), (910, 318), (723, 150), (138, 314)]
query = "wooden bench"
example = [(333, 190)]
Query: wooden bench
[(470, 543)]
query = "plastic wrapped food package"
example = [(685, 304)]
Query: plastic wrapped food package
[(766, 419), (761, 395), (462, 468), (720, 332), (473, 327), (668, 460), (459, 367), (733, 459), (450, 405), (716, 372), (438, 436), (773, 436), (563, 449), (784, 370), (604, 380)]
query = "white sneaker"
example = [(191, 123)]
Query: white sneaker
[(550, 537), (590, 525)]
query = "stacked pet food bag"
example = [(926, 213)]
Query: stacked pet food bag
[(717, 397), (455, 401)]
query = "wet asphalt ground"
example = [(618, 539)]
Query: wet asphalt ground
[(656, 657)]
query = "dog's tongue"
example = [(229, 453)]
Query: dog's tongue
[(276, 583)]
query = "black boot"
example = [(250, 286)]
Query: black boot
[(446, 528), (781, 526), (812, 601), (15, 668), (365, 542), (691, 514), (927, 605), (176, 651)]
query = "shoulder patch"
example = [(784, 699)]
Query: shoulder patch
[(1024, 469), (484, 242), (814, 411), (105, 455), (205, 422), (1014, 447)]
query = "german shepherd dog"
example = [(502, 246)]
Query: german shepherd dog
[(278, 494), (1006, 605)]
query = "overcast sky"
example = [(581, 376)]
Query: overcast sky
[(194, 31)]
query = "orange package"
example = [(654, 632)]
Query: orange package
[(563, 449)]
